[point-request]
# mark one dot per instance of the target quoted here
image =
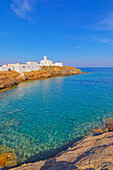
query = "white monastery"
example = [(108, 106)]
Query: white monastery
[(46, 62), (29, 66)]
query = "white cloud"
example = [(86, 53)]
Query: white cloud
[(106, 23), (22, 8), (105, 40)]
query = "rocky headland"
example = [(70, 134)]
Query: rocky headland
[(12, 78)]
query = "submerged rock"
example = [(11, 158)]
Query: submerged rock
[(4, 148), (107, 126), (99, 130), (106, 121), (9, 123)]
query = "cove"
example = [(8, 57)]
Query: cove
[(39, 118)]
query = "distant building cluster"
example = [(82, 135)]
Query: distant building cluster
[(29, 66)]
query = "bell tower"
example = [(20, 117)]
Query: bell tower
[(45, 58)]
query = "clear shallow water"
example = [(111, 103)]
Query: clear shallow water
[(39, 117)]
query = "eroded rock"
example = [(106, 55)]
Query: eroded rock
[(8, 160), (8, 157), (99, 130), (107, 126), (110, 127)]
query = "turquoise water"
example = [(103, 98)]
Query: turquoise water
[(39, 118)]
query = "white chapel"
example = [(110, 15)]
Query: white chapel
[(46, 62)]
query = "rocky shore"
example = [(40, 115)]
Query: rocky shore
[(12, 78), (94, 152)]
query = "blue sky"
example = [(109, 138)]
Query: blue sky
[(77, 32)]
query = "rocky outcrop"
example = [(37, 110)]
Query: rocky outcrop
[(8, 79), (92, 152), (12, 78), (8, 160), (107, 126), (8, 157), (62, 71)]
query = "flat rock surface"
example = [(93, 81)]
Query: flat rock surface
[(92, 152)]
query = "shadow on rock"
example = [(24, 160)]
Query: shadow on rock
[(60, 165)]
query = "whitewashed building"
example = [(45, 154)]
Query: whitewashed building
[(30, 66), (4, 68), (46, 62), (58, 64)]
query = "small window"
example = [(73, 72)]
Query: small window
[(23, 66)]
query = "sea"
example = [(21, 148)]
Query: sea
[(38, 119)]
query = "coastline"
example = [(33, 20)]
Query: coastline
[(13, 78), (91, 152), (9, 79), (94, 152)]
